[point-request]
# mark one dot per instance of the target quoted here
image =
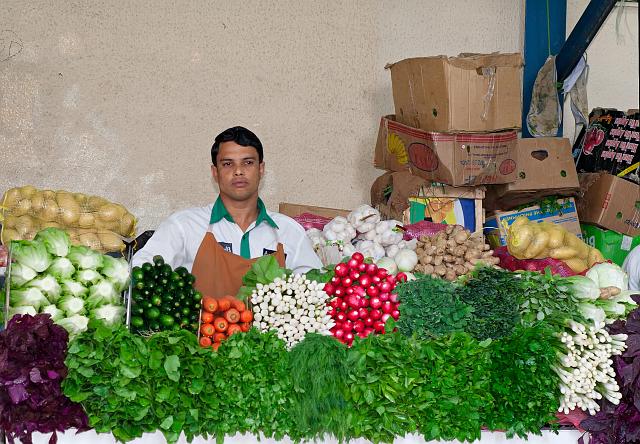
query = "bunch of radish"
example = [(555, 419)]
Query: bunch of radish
[(363, 298)]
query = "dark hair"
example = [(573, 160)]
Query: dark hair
[(239, 135)]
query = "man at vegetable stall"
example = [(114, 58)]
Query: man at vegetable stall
[(218, 243)]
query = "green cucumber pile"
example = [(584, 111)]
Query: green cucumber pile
[(163, 298)]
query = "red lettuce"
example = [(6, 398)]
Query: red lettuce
[(32, 354), (620, 424)]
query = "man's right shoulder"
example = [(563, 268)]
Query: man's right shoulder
[(192, 216)]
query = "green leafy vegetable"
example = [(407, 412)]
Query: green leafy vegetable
[(263, 271), (33, 254), (56, 241)]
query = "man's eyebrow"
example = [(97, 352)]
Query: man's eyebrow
[(244, 158)]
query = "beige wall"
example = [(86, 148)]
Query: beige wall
[(123, 98), (613, 60)]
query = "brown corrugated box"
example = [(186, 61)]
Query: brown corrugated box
[(471, 92), (610, 202), (293, 210), (545, 168), (461, 159)]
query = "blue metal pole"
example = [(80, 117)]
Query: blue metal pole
[(544, 35)]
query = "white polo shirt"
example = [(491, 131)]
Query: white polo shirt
[(632, 267), (178, 238)]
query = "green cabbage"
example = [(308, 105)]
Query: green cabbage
[(110, 314), (85, 258), (583, 287), (48, 286), (608, 275), (74, 324), (22, 310), (71, 305), (53, 311), (61, 268), (33, 254), (102, 293), (28, 296), (73, 288), (117, 270), (87, 277), (21, 274), (56, 241)]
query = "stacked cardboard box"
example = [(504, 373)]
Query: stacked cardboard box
[(455, 126)]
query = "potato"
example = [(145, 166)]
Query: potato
[(8, 235), (24, 224), (37, 202), (86, 220), (595, 256), (95, 202), (9, 221), (28, 191), (576, 264), (90, 240), (556, 237), (519, 239), (22, 207), (51, 225), (127, 225), (11, 197), (563, 253), (49, 211), (69, 209), (110, 241), (48, 194), (110, 212)]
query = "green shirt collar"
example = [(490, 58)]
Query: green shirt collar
[(219, 212)]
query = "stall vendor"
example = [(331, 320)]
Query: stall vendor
[(632, 267), (219, 243)]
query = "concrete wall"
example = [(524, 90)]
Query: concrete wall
[(613, 60), (123, 98)]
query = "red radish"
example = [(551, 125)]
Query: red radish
[(359, 257), (362, 268), (346, 282), (364, 302), (391, 279), (336, 280), (329, 288), (375, 302), (394, 298), (335, 302), (360, 291), (373, 291), (382, 273), (386, 287), (354, 275), (376, 279), (348, 337), (353, 264), (344, 306), (353, 315), (378, 326), (353, 301), (395, 314), (375, 314), (347, 326), (368, 331), (368, 321), (387, 307), (339, 333), (341, 270), (332, 312), (362, 334), (384, 317), (365, 281), (372, 269), (384, 296), (358, 326), (349, 290), (339, 292), (401, 277), (341, 316), (363, 313)]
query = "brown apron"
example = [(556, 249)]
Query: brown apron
[(219, 273)]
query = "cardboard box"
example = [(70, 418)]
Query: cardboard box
[(414, 199), (471, 92), (610, 202), (610, 144), (293, 210), (454, 159), (613, 245), (545, 168), (496, 225)]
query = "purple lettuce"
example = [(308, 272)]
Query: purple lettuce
[(620, 424), (32, 353)]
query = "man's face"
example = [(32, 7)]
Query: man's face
[(238, 171)]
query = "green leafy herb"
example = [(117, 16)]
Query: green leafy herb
[(263, 271)]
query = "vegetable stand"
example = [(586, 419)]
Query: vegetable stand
[(69, 437)]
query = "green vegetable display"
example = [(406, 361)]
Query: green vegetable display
[(74, 285), (163, 298)]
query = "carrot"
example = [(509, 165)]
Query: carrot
[(232, 316), (209, 304), (205, 341), (246, 316), (206, 317), (215, 346), (233, 329), (238, 305), (245, 326), (220, 324), (207, 329), (224, 304), (219, 337)]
